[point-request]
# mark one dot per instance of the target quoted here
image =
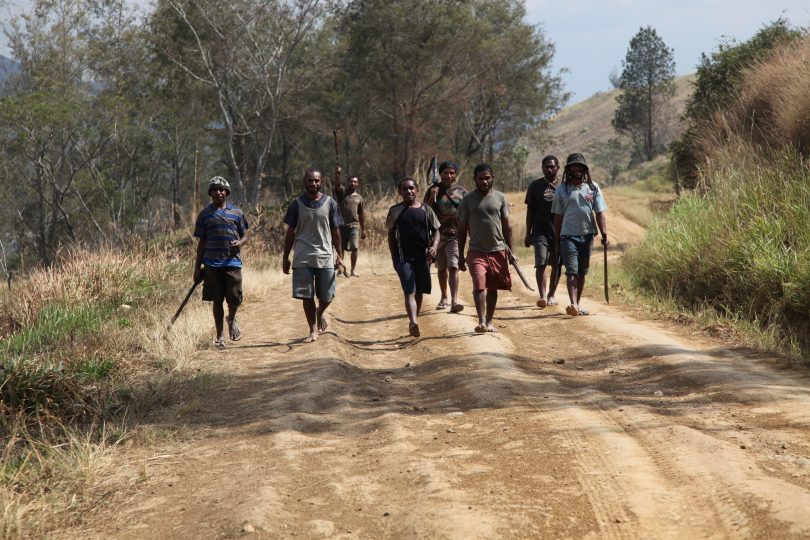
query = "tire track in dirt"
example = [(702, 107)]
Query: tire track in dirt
[(372, 434)]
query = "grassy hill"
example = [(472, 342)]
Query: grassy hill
[(586, 127)]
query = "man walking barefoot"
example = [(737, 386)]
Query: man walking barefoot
[(412, 239), (312, 229), (575, 202), (350, 203), (484, 213), (540, 231), (445, 199), (221, 230)]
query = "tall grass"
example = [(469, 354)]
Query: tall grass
[(743, 247)]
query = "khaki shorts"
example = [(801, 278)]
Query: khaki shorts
[(350, 238), (447, 254), (223, 284)]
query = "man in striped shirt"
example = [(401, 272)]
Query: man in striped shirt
[(221, 230)]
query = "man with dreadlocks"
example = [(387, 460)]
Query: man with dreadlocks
[(575, 202)]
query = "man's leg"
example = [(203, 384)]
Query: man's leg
[(492, 301), (480, 307), (443, 274), (354, 261), (311, 313), (452, 280), (554, 279), (325, 292), (322, 324), (219, 316)]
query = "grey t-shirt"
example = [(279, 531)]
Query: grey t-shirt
[(483, 215), (577, 206)]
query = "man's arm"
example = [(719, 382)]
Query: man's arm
[(289, 240), (461, 235), (557, 228), (600, 222), (361, 217), (198, 260), (392, 246), (242, 240), (338, 246), (507, 232)]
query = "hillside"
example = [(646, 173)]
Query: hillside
[(586, 127)]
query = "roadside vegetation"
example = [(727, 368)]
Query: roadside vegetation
[(738, 244)]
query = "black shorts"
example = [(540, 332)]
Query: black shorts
[(414, 276), (223, 284)]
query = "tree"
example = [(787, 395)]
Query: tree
[(647, 87)]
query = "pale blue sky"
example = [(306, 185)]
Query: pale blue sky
[(591, 36)]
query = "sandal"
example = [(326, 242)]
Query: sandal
[(233, 329), (572, 310), (442, 304), (583, 311), (219, 343)]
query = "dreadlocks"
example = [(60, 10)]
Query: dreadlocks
[(586, 178)]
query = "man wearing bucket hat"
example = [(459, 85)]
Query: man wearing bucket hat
[(221, 230), (578, 209)]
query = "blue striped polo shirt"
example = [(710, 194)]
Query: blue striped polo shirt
[(218, 227)]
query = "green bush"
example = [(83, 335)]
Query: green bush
[(743, 247)]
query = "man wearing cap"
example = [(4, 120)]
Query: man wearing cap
[(221, 230), (313, 222), (578, 209), (445, 199), (484, 213), (540, 230)]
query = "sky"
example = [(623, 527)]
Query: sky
[(591, 37)]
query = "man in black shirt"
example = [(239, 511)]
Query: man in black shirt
[(540, 231), (412, 239)]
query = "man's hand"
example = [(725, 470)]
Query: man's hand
[(605, 241), (462, 264), (362, 234), (431, 252), (198, 274), (285, 266), (527, 240)]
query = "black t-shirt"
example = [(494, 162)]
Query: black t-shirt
[(539, 198), (413, 233)]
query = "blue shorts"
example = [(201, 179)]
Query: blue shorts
[(414, 276), (576, 254), (311, 282)]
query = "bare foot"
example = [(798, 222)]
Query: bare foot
[(491, 327), (355, 274), (413, 329), (480, 329), (551, 301), (457, 308), (310, 338), (322, 324)]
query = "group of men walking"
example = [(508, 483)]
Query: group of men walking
[(562, 219)]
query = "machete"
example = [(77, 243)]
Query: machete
[(183, 304), (514, 264), (607, 292)]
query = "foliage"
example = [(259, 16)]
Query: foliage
[(743, 247), (647, 86), (719, 82)]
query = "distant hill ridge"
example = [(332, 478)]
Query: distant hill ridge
[(586, 127)]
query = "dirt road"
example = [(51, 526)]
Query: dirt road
[(600, 426)]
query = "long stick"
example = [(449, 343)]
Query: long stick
[(607, 291), (183, 304)]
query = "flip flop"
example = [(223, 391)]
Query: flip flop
[(583, 311), (541, 303), (233, 329), (413, 330), (456, 308), (219, 343), (442, 304), (551, 303), (572, 310)]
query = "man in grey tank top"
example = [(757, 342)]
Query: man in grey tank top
[(312, 230)]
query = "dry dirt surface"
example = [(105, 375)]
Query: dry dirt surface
[(604, 426)]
